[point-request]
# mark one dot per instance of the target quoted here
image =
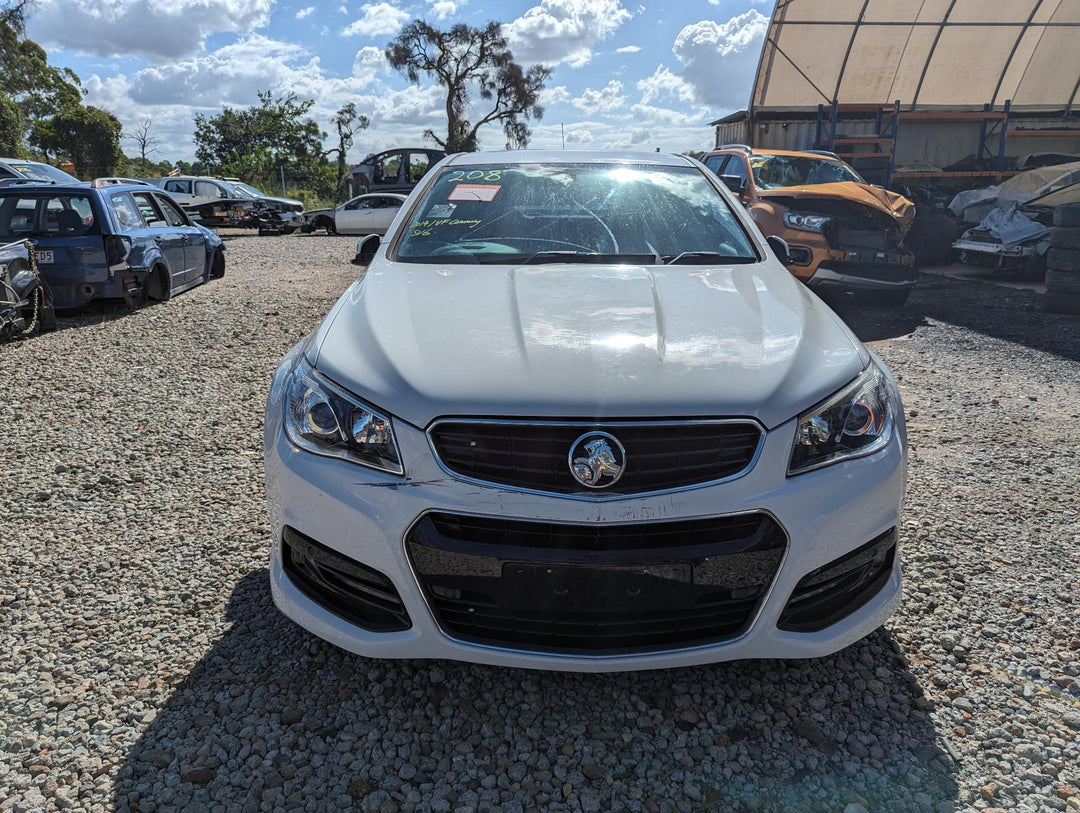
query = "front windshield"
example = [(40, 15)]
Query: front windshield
[(521, 213), (248, 189), (42, 172), (777, 171)]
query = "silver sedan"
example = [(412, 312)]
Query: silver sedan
[(364, 214)]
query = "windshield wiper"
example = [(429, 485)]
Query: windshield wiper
[(706, 258), (589, 257)]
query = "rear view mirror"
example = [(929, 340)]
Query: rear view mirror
[(366, 248), (779, 247), (735, 183)]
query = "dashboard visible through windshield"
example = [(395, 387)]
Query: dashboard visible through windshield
[(591, 213)]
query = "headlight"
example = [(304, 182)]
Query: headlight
[(856, 421), (322, 418), (801, 222)]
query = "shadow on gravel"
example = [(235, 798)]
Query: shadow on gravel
[(273, 717), (1009, 314)]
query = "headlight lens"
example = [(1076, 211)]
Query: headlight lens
[(856, 421), (322, 418), (802, 222)]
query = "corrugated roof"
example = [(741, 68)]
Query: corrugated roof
[(929, 54)]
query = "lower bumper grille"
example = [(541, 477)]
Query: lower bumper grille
[(595, 589), (356, 592), (824, 596)]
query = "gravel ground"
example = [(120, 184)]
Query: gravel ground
[(144, 666)]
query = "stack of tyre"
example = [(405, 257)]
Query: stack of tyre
[(1063, 262)]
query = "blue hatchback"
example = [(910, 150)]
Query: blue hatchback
[(127, 242)]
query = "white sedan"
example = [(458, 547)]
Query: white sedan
[(364, 214), (575, 414)]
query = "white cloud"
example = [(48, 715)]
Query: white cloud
[(639, 136), (558, 31), (160, 32), (719, 59), (579, 137), (664, 83), (628, 49), (305, 12), (377, 20), (666, 116), (442, 9), (555, 95), (605, 100)]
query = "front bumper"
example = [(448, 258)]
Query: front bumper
[(366, 517), (998, 255), (862, 277)]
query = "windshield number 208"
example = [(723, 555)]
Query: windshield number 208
[(458, 175)]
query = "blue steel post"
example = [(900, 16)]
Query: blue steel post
[(1001, 136)]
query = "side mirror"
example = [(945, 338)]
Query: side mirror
[(735, 183), (779, 247), (366, 248)]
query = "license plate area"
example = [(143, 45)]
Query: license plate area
[(44, 257), (869, 255), (592, 589)]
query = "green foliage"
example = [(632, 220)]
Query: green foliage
[(468, 61), (26, 79), (256, 143), (347, 121), (10, 128), (88, 136)]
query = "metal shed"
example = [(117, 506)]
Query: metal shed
[(913, 86)]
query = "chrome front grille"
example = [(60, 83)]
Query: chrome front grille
[(534, 455)]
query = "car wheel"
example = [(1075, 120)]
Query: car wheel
[(1062, 282), (328, 224), (1065, 237), (1063, 259), (159, 284), (931, 239), (883, 299), (31, 312), (1067, 215), (217, 266)]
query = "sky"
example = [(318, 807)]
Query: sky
[(638, 75)]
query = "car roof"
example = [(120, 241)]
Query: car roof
[(755, 151), (44, 188), (568, 157)]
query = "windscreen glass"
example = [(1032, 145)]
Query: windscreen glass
[(42, 172), (24, 215), (777, 171), (531, 213)]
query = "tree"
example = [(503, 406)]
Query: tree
[(26, 79), (11, 127), (88, 136), (144, 141), (259, 142), (465, 60), (347, 121)]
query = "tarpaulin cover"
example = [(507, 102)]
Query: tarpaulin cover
[(972, 205), (929, 54)]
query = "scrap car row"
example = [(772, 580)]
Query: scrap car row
[(66, 242)]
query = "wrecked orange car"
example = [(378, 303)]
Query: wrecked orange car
[(842, 233)]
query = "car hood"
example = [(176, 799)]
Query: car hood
[(882, 200), (283, 201), (585, 341)]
